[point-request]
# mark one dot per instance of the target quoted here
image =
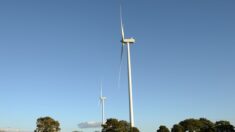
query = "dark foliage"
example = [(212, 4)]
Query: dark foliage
[(114, 125), (199, 125), (47, 124), (163, 129)]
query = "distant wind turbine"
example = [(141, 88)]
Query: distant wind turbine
[(127, 42), (102, 98)]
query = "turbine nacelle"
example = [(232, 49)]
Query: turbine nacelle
[(125, 40), (103, 98), (128, 41)]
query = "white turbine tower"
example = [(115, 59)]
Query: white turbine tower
[(102, 98), (128, 42)]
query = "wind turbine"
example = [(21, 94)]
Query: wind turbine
[(128, 42), (102, 98)]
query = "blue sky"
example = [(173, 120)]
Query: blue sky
[(53, 55)]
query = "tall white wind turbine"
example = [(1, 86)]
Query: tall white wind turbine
[(127, 42), (102, 98)]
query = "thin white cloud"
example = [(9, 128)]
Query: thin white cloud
[(13, 130), (91, 124)]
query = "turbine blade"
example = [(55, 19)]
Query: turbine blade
[(120, 66), (122, 27), (121, 53), (99, 103), (101, 87)]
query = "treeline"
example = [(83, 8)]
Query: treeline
[(48, 124), (199, 125)]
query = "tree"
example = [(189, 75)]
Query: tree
[(114, 125), (224, 126), (201, 125), (111, 125), (47, 124), (207, 125), (193, 125), (177, 128), (197, 125), (135, 129), (163, 129)]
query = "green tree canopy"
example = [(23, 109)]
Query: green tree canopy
[(197, 125), (47, 124), (135, 129), (200, 125), (114, 125), (177, 128), (224, 126), (191, 125), (163, 129)]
